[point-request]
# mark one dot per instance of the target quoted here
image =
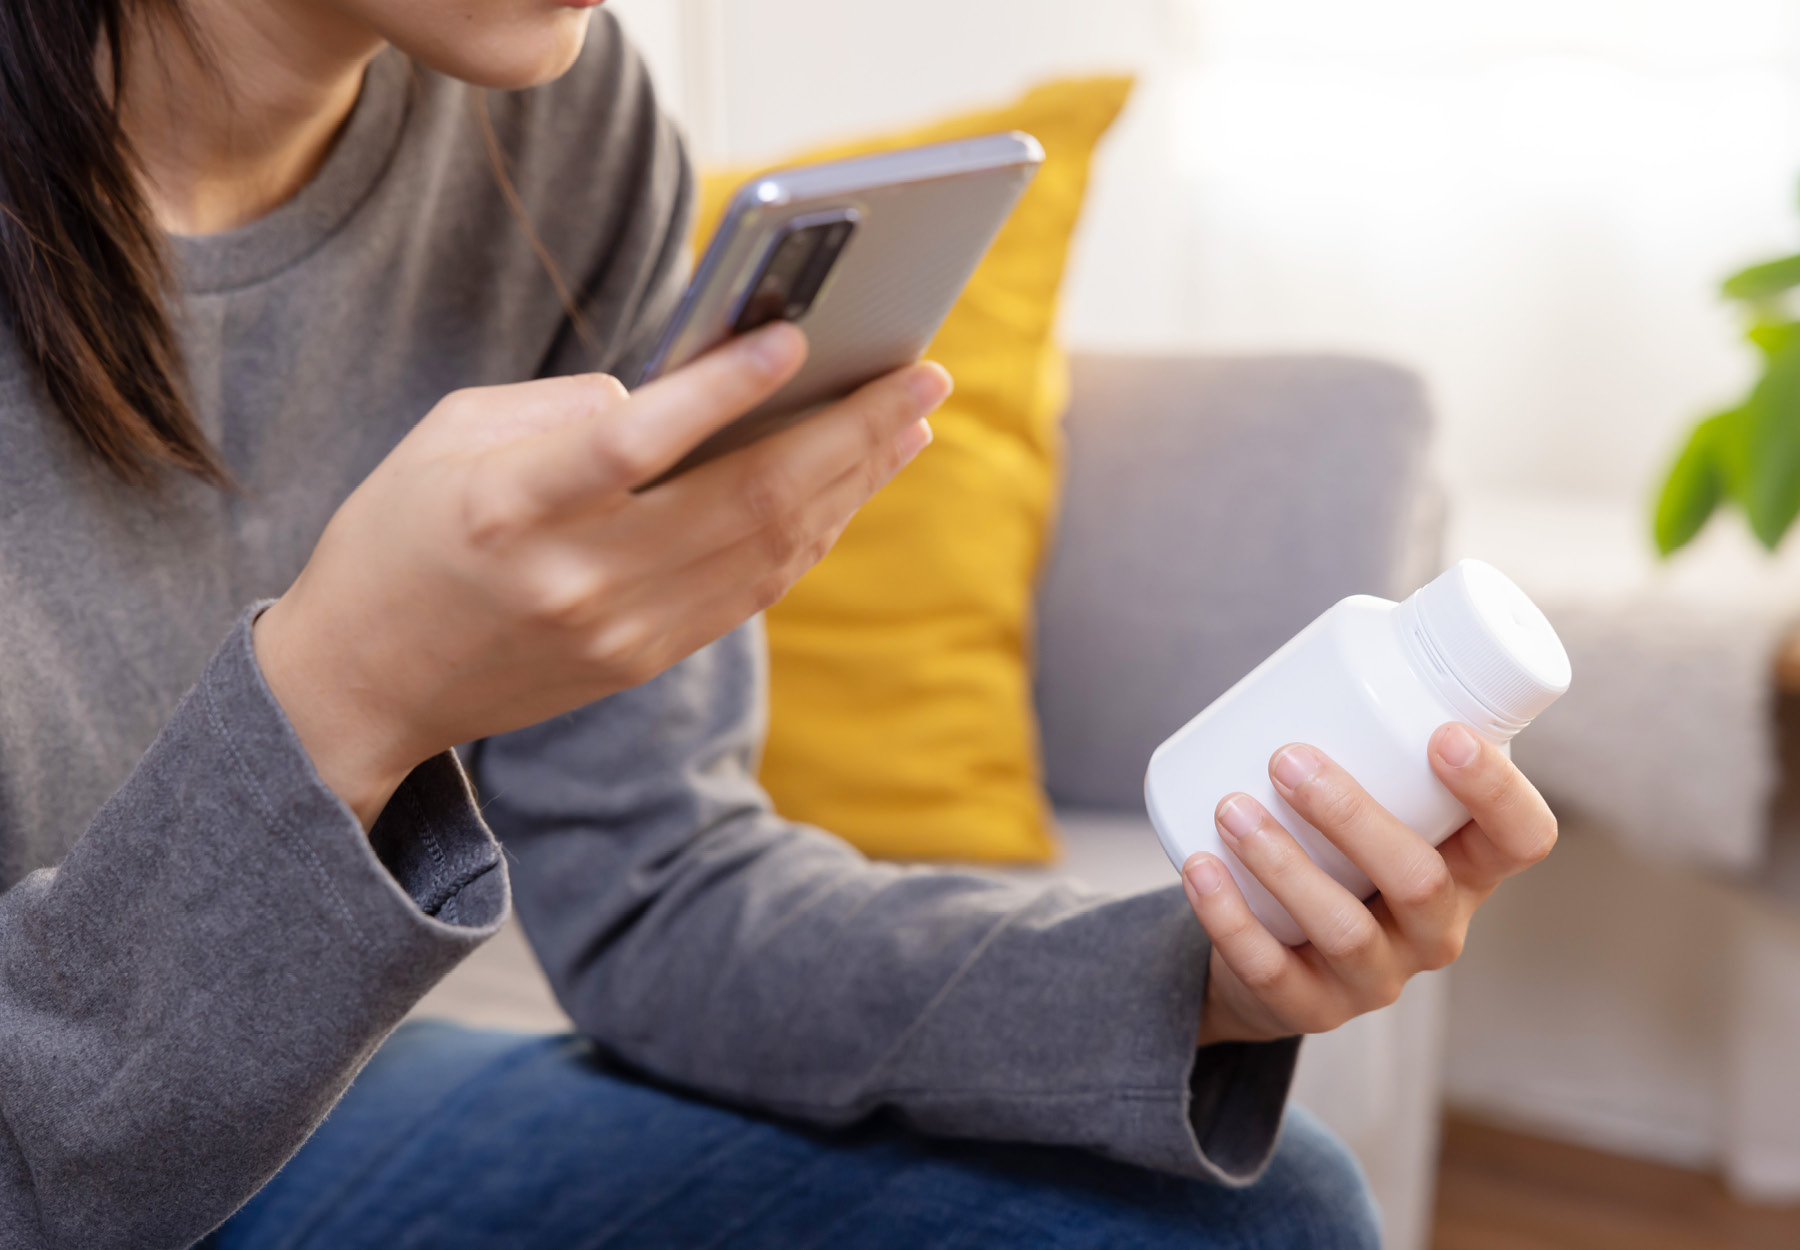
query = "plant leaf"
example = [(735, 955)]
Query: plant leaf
[(1763, 472), (1731, 452), (1694, 488), (1774, 337), (1764, 281)]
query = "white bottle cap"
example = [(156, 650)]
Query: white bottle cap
[(1493, 640)]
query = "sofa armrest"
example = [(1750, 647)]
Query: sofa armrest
[(1213, 507)]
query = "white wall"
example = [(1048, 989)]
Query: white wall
[(1532, 203), (795, 72), (783, 74)]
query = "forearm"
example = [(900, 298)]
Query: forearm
[(703, 938), (828, 989), (189, 991)]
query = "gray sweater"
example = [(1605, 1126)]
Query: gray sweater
[(199, 946)]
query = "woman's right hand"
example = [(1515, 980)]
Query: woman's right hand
[(500, 567)]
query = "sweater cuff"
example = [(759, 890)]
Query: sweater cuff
[(1078, 1025), (428, 880), (1236, 1094), (1226, 1100), (433, 843)]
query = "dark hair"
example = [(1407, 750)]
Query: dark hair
[(83, 274)]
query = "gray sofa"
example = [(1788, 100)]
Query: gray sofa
[(1212, 508)]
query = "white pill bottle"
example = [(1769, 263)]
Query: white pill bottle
[(1367, 683)]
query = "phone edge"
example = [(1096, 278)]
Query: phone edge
[(975, 154)]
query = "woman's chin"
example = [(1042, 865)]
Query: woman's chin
[(516, 56)]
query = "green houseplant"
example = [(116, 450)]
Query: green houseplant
[(1749, 454)]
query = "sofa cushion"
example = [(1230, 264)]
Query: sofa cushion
[(901, 713), (1213, 507)]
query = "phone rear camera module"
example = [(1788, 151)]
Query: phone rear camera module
[(796, 271)]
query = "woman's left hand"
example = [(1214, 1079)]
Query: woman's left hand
[(1359, 955)]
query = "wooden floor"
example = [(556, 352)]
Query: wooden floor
[(1504, 1191)]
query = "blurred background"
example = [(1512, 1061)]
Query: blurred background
[(1530, 203), (1529, 209)]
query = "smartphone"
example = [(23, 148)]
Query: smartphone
[(866, 255)]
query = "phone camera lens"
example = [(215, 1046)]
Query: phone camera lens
[(795, 273)]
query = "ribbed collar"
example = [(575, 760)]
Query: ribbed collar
[(252, 253)]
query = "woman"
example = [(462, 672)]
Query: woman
[(232, 867)]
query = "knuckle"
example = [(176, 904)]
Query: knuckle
[(1275, 854), (782, 531), (782, 580), (1261, 974), (1334, 804), (874, 417), (767, 591), (607, 389), (558, 597), (1427, 881), (495, 515), (875, 471), (1498, 780), (1385, 992), (779, 544), (803, 561), (1352, 938), (891, 407), (1232, 925), (457, 403), (817, 550), (619, 646), (789, 545), (1442, 950), (768, 502), (621, 456), (1502, 793), (881, 411), (644, 664)]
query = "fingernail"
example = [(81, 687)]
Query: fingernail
[(774, 346), (1296, 765), (1457, 745), (1238, 817), (1205, 874), (914, 439), (929, 385)]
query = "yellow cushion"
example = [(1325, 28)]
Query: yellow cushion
[(900, 668)]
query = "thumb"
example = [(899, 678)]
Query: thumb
[(662, 422)]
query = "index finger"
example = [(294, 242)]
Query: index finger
[(660, 423), (1408, 870), (1510, 827), (514, 411)]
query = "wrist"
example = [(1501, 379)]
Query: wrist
[(361, 754), (1225, 1018), (1214, 1027)]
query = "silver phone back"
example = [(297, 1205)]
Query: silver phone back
[(926, 217)]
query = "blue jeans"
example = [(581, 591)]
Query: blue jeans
[(454, 1139)]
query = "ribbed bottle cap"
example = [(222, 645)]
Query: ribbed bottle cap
[(1493, 639)]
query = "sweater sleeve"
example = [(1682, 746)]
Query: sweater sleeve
[(188, 992), (699, 936)]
